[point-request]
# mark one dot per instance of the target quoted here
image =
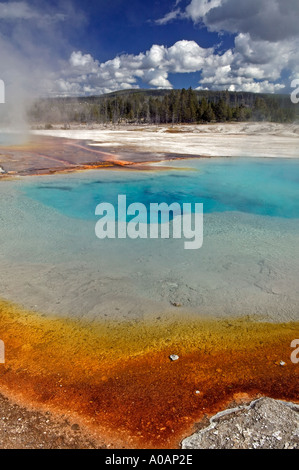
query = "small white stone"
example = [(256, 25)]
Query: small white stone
[(174, 357), (282, 363)]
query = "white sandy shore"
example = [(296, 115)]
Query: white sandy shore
[(228, 140)]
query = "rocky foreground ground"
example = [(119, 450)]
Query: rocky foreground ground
[(264, 424), (27, 429)]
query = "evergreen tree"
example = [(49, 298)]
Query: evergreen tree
[(157, 106)]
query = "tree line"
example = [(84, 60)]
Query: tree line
[(165, 107)]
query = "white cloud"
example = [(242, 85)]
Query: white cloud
[(198, 9), (13, 11), (152, 68), (84, 63), (16, 10), (187, 56), (256, 87), (157, 79), (266, 42), (252, 65), (271, 20), (172, 15), (266, 48)]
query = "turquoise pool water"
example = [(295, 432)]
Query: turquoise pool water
[(52, 261), (267, 187)]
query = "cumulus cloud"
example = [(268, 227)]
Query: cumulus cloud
[(256, 62), (271, 20), (266, 42), (124, 71), (252, 65), (198, 9)]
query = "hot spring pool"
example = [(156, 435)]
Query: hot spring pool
[(52, 261)]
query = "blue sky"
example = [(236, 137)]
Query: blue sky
[(73, 48), (118, 26)]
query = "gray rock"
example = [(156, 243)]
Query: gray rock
[(264, 424)]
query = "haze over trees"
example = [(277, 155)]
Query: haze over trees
[(165, 107)]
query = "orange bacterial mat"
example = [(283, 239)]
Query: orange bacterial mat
[(117, 378)]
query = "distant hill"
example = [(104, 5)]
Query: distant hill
[(165, 106)]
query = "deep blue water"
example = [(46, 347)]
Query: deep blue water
[(267, 187)]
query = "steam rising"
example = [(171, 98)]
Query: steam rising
[(32, 40), (16, 94), (18, 76)]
